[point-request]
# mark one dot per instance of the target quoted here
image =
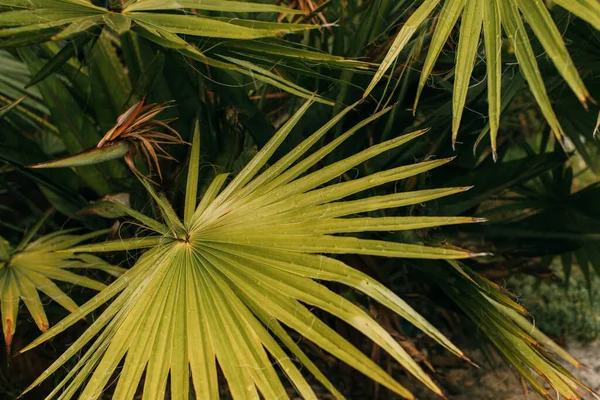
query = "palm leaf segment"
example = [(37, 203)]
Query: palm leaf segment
[(492, 17), (32, 267), (221, 285), (507, 326), (164, 22)]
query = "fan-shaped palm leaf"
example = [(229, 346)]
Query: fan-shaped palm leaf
[(31, 267), (223, 284), (491, 17)]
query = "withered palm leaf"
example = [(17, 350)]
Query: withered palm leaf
[(137, 129)]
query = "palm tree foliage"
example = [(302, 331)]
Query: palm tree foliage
[(161, 22), (31, 266), (501, 319), (492, 18), (137, 128), (283, 250), (243, 262)]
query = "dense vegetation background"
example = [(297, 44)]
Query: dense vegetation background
[(234, 73)]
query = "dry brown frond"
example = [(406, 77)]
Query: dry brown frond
[(139, 126)]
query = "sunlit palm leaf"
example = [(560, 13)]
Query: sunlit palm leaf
[(219, 287), (33, 266), (210, 5), (491, 14), (588, 10)]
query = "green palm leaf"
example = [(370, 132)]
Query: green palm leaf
[(499, 318), (38, 22), (490, 16), (223, 286), (20, 107), (33, 266)]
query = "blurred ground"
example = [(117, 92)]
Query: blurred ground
[(589, 355), (501, 384)]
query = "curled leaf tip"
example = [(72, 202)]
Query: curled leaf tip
[(439, 392), (465, 188), (494, 155), (585, 98), (585, 104)]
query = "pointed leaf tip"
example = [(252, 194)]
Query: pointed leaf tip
[(482, 254)]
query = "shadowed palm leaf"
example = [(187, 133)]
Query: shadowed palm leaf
[(163, 22), (504, 322), (492, 17), (20, 107)]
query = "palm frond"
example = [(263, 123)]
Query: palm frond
[(162, 22), (224, 285), (137, 128), (490, 16), (506, 326), (33, 266)]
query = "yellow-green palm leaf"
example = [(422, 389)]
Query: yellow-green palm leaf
[(492, 17), (32, 267), (223, 285)]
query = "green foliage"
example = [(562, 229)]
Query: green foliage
[(505, 324), (572, 314), (245, 256), (31, 266), (293, 207), (490, 16)]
